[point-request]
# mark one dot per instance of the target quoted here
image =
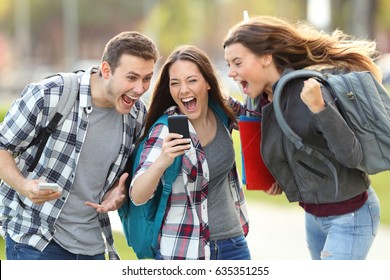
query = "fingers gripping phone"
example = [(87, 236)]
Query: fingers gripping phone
[(179, 124)]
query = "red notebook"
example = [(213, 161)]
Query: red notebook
[(255, 174)]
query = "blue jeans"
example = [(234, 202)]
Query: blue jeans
[(344, 237), (235, 248), (53, 251)]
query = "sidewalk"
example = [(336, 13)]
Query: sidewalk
[(278, 233)]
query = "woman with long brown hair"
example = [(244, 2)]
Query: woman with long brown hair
[(259, 51), (206, 216)]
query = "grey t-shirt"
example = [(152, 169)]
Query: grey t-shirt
[(224, 220), (78, 228)]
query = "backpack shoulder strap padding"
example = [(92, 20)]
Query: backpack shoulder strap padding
[(290, 134), (277, 99), (139, 235), (170, 176), (68, 96), (58, 115)]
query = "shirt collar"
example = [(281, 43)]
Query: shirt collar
[(85, 91), (85, 87)]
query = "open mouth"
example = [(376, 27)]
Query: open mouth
[(129, 100), (244, 86), (189, 103)]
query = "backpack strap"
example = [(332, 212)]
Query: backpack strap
[(290, 134), (170, 176), (277, 106), (69, 95), (220, 113), (58, 115)]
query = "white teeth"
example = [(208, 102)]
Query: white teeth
[(131, 97), (187, 99)]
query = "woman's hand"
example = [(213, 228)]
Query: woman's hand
[(275, 189), (145, 184), (311, 95), (173, 146)]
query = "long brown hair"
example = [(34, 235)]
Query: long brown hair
[(301, 46), (161, 98)]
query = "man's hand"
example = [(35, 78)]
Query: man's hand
[(32, 192), (114, 198), (11, 174)]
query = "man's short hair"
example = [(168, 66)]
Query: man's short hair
[(131, 43)]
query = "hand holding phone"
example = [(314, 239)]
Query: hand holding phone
[(179, 124), (48, 186)]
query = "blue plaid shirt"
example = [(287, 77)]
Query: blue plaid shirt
[(33, 224)]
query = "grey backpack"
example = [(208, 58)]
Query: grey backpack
[(58, 115), (365, 106)]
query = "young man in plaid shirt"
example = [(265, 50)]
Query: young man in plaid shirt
[(85, 156)]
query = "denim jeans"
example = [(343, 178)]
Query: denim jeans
[(344, 237), (53, 251), (235, 248)]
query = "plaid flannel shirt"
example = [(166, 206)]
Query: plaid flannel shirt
[(33, 224), (185, 232)]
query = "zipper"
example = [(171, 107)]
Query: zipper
[(353, 98), (312, 170), (290, 166)]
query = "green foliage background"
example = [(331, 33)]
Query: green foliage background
[(198, 22)]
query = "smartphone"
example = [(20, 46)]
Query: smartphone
[(48, 186), (179, 124)]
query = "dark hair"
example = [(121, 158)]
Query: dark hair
[(300, 46), (161, 98), (132, 43)]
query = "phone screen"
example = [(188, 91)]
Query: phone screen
[(179, 124)]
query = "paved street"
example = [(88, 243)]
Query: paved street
[(277, 233)]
